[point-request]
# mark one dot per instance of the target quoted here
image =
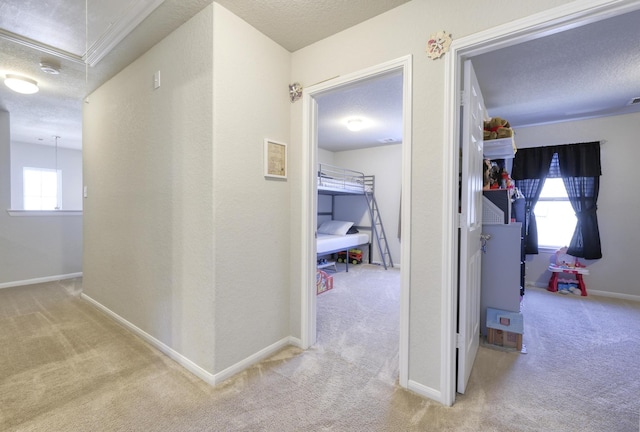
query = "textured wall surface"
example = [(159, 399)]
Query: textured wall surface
[(399, 32), (618, 200), (149, 212), (252, 254), (69, 161), (385, 162), (33, 247)]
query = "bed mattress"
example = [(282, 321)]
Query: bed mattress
[(342, 185), (331, 243)]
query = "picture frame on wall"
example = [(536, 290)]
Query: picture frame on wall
[(275, 159)]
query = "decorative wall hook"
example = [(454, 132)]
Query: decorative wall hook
[(295, 91), (438, 44)]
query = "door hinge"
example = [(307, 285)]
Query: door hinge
[(460, 219), (459, 340), (462, 97)]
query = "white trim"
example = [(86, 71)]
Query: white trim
[(250, 361), (170, 352), (405, 222), (208, 377), (590, 292), (295, 342), (424, 391), (309, 158), (554, 20), (40, 280), (118, 30), (621, 296), (23, 213), (309, 218), (39, 46)]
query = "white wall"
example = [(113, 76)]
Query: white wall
[(399, 32), (33, 248), (171, 176), (385, 163), (149, 214), (252, 215), (44, 156), (618, 201), (185, 237)]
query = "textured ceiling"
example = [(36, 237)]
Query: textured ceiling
[(377, 101), (295, 24), (584, 72), (56, 110)]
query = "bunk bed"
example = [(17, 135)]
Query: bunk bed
[(339, 236)]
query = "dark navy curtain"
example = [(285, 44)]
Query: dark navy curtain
[(579, 166), (530, 168)]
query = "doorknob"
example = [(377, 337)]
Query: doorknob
[(484, 238)]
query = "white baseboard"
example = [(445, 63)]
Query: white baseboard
[(592, 292), (208, 377), (170, 352), (296, 342), (425, 391), (40, 280), (614, 295), (250, 361)]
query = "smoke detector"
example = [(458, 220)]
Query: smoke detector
[(49, 68)]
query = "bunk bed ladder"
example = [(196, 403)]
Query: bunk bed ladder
[(377, 230)]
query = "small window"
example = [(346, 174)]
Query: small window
[(41, 189), (555, 216)]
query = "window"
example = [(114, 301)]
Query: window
[(555, 216), (41, 188)]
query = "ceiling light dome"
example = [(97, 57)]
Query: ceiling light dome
[(356, 123), (21, 84)]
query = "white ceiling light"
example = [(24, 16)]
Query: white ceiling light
[(355, 124), (21, 84)]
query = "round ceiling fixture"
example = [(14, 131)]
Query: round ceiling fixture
[(49, 68), (21, 84), (355, 124)]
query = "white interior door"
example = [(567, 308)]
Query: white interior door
[(470, 226)]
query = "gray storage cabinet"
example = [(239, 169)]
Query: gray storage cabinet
[(500, 270)]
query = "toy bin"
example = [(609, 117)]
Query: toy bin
[(505, 328)]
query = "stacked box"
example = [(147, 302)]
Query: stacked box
[(505, 328), (324, 282)]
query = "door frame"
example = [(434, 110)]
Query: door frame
[(548, 22), (309, 204)]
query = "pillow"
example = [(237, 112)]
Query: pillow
[(334, 227)]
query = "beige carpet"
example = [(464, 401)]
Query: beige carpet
[(64, 366)]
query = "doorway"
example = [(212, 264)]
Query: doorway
[(539, 25), (309, 176)]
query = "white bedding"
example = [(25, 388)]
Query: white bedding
[(331, 243), (341, 185)]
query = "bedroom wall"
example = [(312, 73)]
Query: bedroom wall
[(399, 32), (44, 156), (385, 162), (325, 156), (149, 214), (252, 213), (33, 248), (324, 201), (618, 201)]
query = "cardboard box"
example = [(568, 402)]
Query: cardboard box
[(504, 338), (505, 328), (324, 282)]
